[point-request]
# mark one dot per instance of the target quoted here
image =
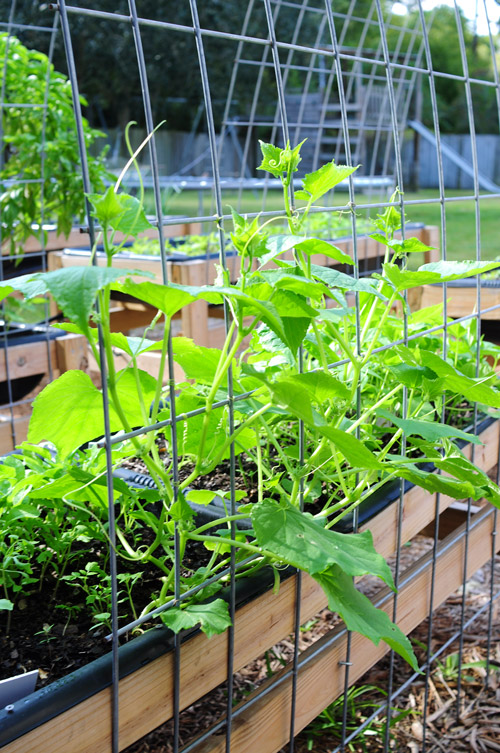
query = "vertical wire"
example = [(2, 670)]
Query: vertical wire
[(153, 156), (298, 581), (309, 76), (231, 88), (286, 73), (439, 155), (404, 407), (115, 670), (345, 26), (4, 333), (352, 202), (367, 89), (265, 55), (230, 387), (42, 185), (472, 130), (329, 84), (355, 79), (252, 120), (405, 81), (495, 514)]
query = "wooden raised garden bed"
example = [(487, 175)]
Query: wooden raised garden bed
[(461, 298), (146, 695), (200, 321)]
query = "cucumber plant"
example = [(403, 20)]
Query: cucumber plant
[(332, 399)]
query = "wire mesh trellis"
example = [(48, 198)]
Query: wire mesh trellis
[(353, 78)]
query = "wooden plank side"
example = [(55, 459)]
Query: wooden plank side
[(71, 352), (79, 239), (7, 441), (462, 301), (265, 726), (27, 359)]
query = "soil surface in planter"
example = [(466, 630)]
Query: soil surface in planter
[(42, 636), (45, 635)]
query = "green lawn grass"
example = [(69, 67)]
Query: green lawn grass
[(460, 223)]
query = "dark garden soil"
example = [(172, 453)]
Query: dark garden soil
[(55, 634)]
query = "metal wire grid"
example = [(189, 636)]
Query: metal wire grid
[(11, 27), (385, 66)]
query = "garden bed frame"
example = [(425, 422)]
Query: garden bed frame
[(78, 238), (200, 321), (146, 696), (462, 299)]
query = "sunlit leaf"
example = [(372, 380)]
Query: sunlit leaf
[(213, 618), (301, 541), (360, 615)]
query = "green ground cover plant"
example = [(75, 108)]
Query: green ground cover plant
[(333, 397)]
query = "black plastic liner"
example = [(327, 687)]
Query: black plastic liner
[(61, 695)]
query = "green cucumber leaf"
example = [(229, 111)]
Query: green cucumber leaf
[(320, 385), (459, 466), (279, 244), (31, 286), (132, 346), (360, 615), (287, 280), (120, 211), (409, 246), (6, 605), (107, 207), (200, 496), (276, 160), (296, 397), (272, 161), (318, 183), (430, 430), (196, 361), (213, 618), (294, 332), (335, 279), (312, 246), (411, 375), (75, 409), (472, 389), (169, 298), (434, 482), (299, 540), (75, 289), (440, 271)]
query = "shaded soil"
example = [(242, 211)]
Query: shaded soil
[(55, 634)]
